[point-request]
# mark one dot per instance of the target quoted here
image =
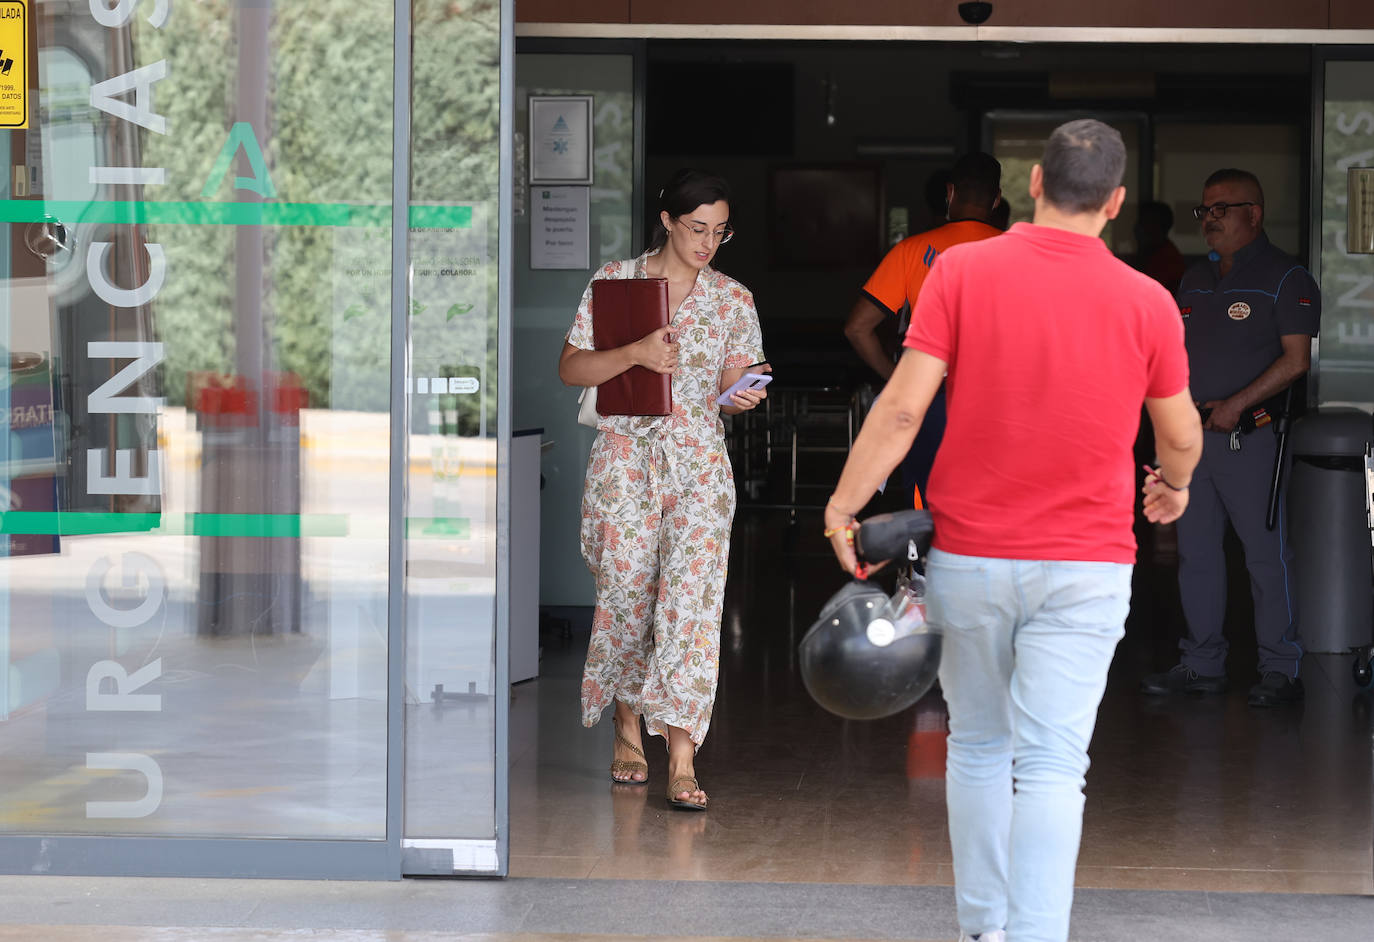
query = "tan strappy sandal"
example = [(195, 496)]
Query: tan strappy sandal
[(628, 766), (691, 786)]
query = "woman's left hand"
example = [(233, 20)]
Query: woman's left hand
[(749, 398)]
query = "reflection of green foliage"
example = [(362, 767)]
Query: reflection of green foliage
[(456, 105), (328, 139), (194, 309), (455, 101), (1348, 136)]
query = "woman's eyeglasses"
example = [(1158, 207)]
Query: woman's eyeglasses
[(702, 234)]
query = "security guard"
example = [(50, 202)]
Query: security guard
[(1250, 312)]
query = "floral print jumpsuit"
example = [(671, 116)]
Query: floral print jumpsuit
[(657, 506)]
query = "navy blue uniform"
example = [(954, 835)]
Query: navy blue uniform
[(1232, 328)]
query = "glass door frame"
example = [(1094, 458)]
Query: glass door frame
[(1321, 55), (454, 856), (390, 857), (1139, 190)]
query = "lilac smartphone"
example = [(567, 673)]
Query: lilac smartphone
[(747, 381)]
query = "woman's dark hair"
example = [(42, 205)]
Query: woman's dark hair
[(685, 191)]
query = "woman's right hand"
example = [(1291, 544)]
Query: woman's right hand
[(657, 351)]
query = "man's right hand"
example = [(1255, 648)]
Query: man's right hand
[(657, 351), (1219, 415), (1163, 504)]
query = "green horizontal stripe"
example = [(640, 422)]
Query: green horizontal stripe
[(441, 217), (60, 523), (149, 212), (438, 528), (194, 524)]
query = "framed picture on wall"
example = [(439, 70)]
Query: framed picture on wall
[(561, 139), (826, 216)]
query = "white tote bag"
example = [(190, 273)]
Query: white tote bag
[(586, 407), (586, 402)]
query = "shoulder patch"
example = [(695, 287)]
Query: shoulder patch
[(1304, 302), (1185, 311)]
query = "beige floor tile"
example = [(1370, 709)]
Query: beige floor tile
[(214, 934), (1201, 794)]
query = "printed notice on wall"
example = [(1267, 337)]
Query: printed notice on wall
[(561, 139), (14, 82), (559, 227)]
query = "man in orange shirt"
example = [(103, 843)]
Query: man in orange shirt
[(973, 192)]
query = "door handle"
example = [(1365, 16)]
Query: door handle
[(47, 237)]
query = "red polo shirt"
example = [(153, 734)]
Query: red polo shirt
[(1052, 344)]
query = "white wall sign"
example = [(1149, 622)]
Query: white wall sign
[(560, 139), (560, 227)]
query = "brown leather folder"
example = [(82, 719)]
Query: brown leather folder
[(624, 310)]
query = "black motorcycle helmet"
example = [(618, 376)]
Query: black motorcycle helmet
[(854, 662)]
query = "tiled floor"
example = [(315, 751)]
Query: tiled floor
[(1184, 794), (182, 933), (1205, 820), (65, 909)]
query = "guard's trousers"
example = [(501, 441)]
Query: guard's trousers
[(1234, 485)]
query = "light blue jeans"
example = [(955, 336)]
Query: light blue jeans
[(1027, 645)]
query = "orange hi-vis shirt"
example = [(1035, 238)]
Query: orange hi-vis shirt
[(900, 274)]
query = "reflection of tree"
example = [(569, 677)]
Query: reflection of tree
[(194, 307), (1347, 141), (455, 100), (328, 141), (456, 108)]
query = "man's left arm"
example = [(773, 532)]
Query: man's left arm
[(884, 438)]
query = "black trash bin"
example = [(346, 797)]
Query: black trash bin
[(1330, 529)]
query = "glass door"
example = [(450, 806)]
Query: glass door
[(457, 582), (216, 273), (1345, 368), (1017, 139)]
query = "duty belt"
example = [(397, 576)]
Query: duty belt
[(1256, 417)]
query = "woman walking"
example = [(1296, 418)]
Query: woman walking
[(659, 497)]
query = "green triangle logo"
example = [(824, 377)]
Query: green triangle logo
[(241, 136)]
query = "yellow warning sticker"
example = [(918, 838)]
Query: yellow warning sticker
[(14, 82)]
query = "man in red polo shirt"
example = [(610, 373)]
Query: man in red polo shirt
[(1051, 345), (973, 192)]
